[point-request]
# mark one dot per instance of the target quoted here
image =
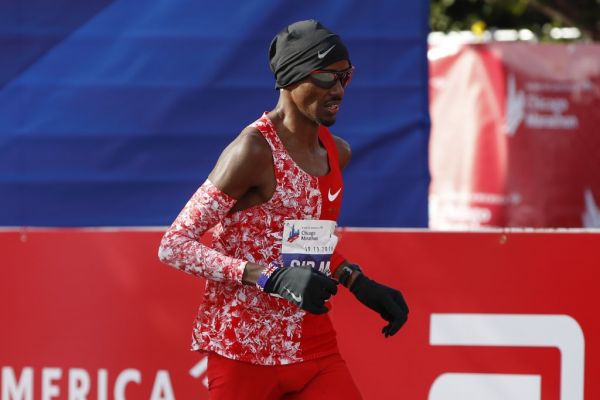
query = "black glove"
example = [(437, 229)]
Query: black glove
[(303, 286), (388, 302)]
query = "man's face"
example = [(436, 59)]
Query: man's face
[(319, 104)]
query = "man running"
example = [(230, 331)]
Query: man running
[(273, 200)]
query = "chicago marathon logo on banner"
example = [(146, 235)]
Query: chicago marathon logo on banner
[(540, 105)]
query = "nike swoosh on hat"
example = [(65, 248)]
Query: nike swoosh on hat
[(324, 54)]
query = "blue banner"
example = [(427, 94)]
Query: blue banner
[(112, 113)]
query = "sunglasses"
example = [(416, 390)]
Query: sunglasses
[(327, 78)]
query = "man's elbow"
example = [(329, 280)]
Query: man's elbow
[(165, 249)]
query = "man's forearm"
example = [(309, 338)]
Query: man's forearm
[(181, 247)]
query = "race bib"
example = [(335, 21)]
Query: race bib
[(308, 243)]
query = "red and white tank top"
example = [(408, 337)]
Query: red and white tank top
[(241, 322)]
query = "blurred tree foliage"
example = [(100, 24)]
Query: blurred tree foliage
[(537, 15)]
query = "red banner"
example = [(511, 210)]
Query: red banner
[(94, 315), (514, 135)]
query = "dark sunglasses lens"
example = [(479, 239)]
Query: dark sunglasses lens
[(324, 79), (345, 78), (327, 79)]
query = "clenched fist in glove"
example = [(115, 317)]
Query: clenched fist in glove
[(303, 286), (388, 302)]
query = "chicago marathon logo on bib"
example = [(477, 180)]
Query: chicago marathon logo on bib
[(308, 243)]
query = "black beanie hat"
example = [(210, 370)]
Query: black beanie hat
[(301, 48)]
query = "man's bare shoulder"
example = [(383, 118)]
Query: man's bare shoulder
[(344, 151), (252, 145), (242, 163), (248, 148)]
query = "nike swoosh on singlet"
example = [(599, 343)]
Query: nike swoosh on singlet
[(295, 296), (323, 54), (334, 196)]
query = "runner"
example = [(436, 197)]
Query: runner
[(273, 199)]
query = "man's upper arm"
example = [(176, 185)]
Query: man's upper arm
[(344, 151), (241, 165)]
